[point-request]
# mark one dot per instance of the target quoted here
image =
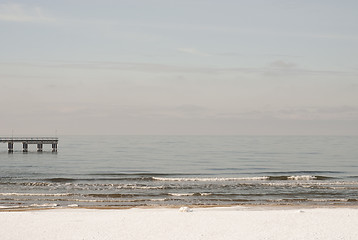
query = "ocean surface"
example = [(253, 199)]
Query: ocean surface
[(122, 171)]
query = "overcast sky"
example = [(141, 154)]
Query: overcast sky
[(262, 67)]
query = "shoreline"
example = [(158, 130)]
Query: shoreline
[(262, 207)]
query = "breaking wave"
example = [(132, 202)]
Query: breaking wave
[(262, 178)]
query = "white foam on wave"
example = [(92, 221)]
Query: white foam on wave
[(188, 194), (222, 179), (141, 187), (44, 205), (72, 205), (302, 177), (36, 194), (158, 200), (205, 194), (328, 199), (107, 200), (6, 207), (180, 194)]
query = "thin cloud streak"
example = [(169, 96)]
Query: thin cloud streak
[(273, 68), (299, 113), (12, 12), (193, 51)]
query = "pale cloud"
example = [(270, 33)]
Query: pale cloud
[(12, 12), (253, 31), (194, 51), (318, 113), (282, 64), (349, 37), (275, 68), (190, 108), (285, 68)]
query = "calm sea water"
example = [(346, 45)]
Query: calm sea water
[(181, 170)]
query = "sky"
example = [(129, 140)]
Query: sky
[(189, 67)]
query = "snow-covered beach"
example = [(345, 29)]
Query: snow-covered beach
[(173, 223)]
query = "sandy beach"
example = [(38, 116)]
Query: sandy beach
[(171, 223)]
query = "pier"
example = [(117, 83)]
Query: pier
[(40, 141)]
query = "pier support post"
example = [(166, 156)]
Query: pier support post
[(39, 147), (10, 146), (54, 147), (25, 147)]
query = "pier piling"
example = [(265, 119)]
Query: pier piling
[(10, 146), (39, 147), (25, 147), (54, 147)]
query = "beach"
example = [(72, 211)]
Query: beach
[(181, 223), (236, 187)]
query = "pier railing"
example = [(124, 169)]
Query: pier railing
[(26, 139)]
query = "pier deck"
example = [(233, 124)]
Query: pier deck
[(30, 140)]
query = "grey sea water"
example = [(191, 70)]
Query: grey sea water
[(120, 171)]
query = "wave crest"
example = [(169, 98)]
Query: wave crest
[(223, 179)]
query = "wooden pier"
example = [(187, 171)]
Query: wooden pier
[(40, 141)]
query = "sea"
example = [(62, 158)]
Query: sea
[(174, 171)]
